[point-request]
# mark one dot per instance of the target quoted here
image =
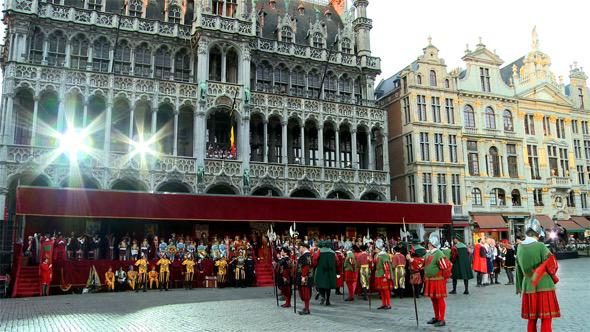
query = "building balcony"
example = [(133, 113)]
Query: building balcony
[(559, 182)]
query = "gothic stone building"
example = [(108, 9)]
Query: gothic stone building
[(197, 96)]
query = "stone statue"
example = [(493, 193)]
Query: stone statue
[(200, 174), (203, 90), (535, 38), (247, 96), (246, 178)]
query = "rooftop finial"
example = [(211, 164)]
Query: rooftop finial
[(429, 40), (535, 37)]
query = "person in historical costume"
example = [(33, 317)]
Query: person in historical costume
[(221, 265), (45, 275), (123, 250), (82, 247), (240, 269), (134, 250), (181, 249), (398, 262), (437, 267), (142, 266), (283, 276), (339, 271), (461, 264), (164, 265), (250, 271), (509, 257), (480, 261), (110, 246), (59, 250), (363, 260), (383, 277), (71, 246), (153, 278), (189, 273), (109, 279), (121, 278), (536, 276), (131, 277), (162, 248), (145, 248), (171, 250), (325, 271), (304, 277), (416, 257), (96, 247), (351, 274)]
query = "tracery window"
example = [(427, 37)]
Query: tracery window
[(56, 54)]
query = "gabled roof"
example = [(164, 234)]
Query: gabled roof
[(506, 71), (386, 86), (483, 55)]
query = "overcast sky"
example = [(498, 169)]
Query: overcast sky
[(401, 30)]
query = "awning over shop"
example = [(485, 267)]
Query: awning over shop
[(570, 226), (582, 221), (490, 222), (37, 201), (545, 221)]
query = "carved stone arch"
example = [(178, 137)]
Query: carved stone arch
[(132, 183), (297, 117), (29, 176), (24, 87), (85, 181), (74, 90), (174, 186), (224, 187), (304, 191), (345, 122), (166, 101), (98, 93), (372, 195), (313, 118), (340, 187), (122, 95), (331, 120), (275, 113), (269, 184), (143, 98), (184, 103)]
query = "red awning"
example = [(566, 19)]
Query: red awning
[(545, 221), (490, 222), (570, 225), (37, 201), (582, 221)]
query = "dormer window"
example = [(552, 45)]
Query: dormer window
[(432, 78), (286, 34), (318, 40), (345, 46), (484, 75), (135, 8), (581, 96), (174, 15)]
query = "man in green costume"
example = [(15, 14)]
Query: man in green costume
[(325, 271), (461, 264)]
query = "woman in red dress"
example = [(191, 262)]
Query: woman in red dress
[(45, 270)]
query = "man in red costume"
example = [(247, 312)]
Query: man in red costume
[(339, 271), (304, 277), (479, 261), (45, 271), (536, 269), (283, 275)]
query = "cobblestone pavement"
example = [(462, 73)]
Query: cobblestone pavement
[(493, 308)]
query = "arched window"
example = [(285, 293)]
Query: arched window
[(469, 116), (281, 82), (330, 86), (264, 73), (122, 62), (317, 40), (516, 198), (56, 54), (143, 61), (120, 121), (101, 54), (358, 90), (447, 84), (346, 46), (36, 46), (135, 8), (79, 52), (163, 63), (298, 82), (185, 132), (508, 124), (345, 88), (490, 118), (231, 66), (493, 162), (432, 78), (476, 196), (498, 197), (215, 64), (182, 69), (419, 79), (47, 118), (74, 111), (174, 14), (165, 128), (313, 84), (142, 121), (23, 112), (286, 34)]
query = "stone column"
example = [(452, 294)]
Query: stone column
[(302, 140), (175, 143), (107, 129), (245, 137), (321, 145), (35, 115), (284, 151), (85, 113), (385, 148), (199, 133), (45, 51), (355, 158), (61, 112), (337, 133), (223, 69), (371, 151), (8, 125), (265, 145)]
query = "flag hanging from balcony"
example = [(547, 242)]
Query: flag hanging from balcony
[(232, 141)]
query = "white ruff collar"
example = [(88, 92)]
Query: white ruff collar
[(528, 240)]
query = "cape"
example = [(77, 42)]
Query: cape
[(462, 264), (528, 258), (325, 271)]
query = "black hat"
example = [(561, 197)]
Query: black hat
[(458, 236)]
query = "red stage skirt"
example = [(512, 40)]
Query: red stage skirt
[(540, 305), (435, 288), (382, 283)]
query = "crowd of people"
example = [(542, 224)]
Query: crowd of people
[(219, 152), (355, 267)]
